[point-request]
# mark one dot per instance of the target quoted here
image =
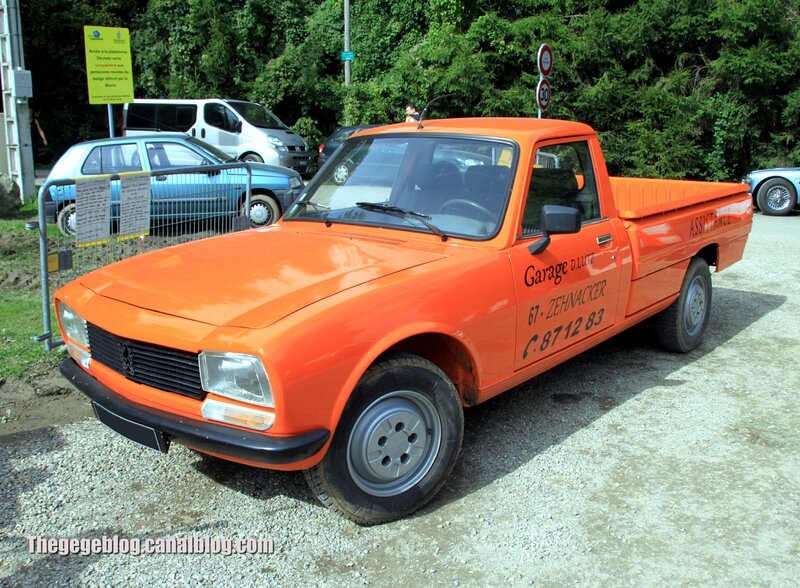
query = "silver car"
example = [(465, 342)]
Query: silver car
[(775, 190)]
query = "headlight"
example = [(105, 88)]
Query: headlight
[(277, 143), (74, 326), (235, 375), (295, 182)]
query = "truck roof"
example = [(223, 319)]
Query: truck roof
[(517, 129)]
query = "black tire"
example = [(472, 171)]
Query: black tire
[(264, 210), (252, 157), (396, 443), (66, 220), (680, 328), (776, 197)]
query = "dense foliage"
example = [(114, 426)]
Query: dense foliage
[(677, 88)]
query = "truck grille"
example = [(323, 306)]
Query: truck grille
[(163, 368)]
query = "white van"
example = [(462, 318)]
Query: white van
[(244, 130)]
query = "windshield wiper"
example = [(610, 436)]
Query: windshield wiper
[(325, 210), (402, 212)]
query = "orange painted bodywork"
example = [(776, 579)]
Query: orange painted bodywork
[(320, 304)]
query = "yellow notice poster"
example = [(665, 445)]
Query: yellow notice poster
[(108, 65)]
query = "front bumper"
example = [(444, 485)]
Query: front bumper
[(299, 162), (201, 435)]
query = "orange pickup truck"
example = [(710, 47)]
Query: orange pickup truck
[(426, 268)]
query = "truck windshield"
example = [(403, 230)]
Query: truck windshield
[(456, 186), (257, 115)]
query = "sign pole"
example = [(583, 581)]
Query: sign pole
[(544, 60), (110, 121), (347, 41)]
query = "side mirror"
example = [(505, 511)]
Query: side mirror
[(237, 127), (556, 220)]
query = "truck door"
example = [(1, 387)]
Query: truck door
[(569, 291)]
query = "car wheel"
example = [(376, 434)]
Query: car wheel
[(777, 197), (341, 173), (263, 210), (396, 443), (252, 157), (66, 220), (681, 327)]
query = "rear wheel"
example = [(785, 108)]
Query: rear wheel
[(66, 220), (777, 197), (396, 443), (681, 327), (264, 210)]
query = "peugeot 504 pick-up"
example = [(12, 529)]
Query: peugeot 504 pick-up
[(426, 268)]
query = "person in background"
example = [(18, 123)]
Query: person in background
[(411, 112)]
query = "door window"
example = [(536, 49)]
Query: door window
[(562, 175), (112, 159), (162, 155), (220, 117)]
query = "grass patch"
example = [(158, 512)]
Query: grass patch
[(21, 300), (21, 319)]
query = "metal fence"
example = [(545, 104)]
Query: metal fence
[(86, 223)]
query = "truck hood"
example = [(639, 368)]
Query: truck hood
[(253, 278)]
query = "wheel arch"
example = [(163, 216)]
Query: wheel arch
[(710, 254), (260, 192), (450, 354)]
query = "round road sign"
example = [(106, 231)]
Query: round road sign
[(545, 60), (543, 94)]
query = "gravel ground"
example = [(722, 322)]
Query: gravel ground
[(625, 466)]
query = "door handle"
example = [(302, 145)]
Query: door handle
[(202, 133), (161, 178), (603, 239)]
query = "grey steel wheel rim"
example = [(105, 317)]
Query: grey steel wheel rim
[(394, 443), (778, 198), (340, 174), (260, 214), (694, 312)]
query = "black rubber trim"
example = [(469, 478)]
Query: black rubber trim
[(227, 441)]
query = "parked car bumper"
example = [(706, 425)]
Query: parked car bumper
[(299, 162), (218, 439)]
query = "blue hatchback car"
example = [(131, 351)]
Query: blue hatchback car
[(273, 188)]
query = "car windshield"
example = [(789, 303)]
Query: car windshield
[(257, 115), (443, 185)]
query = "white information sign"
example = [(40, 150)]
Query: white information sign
[(545, 60), (92, 211), (134, 208)]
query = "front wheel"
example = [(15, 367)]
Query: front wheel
[(680, 328), (777, 197), (252, 157), (396, 443), (66, 220), (263, 210)]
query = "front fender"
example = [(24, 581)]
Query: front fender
[(267, 153)]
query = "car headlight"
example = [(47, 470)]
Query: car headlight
[(236, 375), (295, 182), (73, 325), (76, 335), (277, 143)]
